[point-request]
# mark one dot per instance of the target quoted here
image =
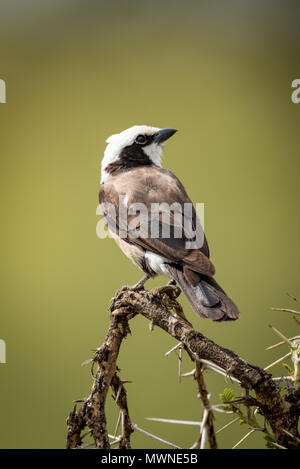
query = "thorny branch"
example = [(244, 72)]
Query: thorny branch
[(209, 421), (281, 412)]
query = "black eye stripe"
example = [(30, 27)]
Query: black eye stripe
[(141, 139)]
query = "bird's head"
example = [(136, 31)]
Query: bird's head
[(140, 145)]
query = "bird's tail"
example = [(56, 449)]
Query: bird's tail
[(207, 298)]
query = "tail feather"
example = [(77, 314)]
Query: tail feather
[(207, 298)]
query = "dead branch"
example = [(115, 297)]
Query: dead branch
[(204, 396), (281, 412), (121, 400), (92, 413)]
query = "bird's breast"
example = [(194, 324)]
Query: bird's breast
[(133, 252)]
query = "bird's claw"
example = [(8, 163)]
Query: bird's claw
[(137, 286)]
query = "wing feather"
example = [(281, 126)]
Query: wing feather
[(148, 186)]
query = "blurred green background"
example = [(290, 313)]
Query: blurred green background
[(79, 71)]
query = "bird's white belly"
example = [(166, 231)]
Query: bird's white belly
[(156, 263), (136, 255)]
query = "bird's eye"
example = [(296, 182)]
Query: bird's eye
[(140, 139)]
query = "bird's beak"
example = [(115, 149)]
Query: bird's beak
[(163, 135)]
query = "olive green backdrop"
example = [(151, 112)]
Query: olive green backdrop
[(76, 72)]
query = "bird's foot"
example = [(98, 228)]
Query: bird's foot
[(138, 286)]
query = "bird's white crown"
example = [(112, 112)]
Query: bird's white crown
[(117, 142)]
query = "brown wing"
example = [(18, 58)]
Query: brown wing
[(174, 231)]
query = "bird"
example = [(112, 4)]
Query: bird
[(134, 181)]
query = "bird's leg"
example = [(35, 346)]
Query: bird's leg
[(140, 284)]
